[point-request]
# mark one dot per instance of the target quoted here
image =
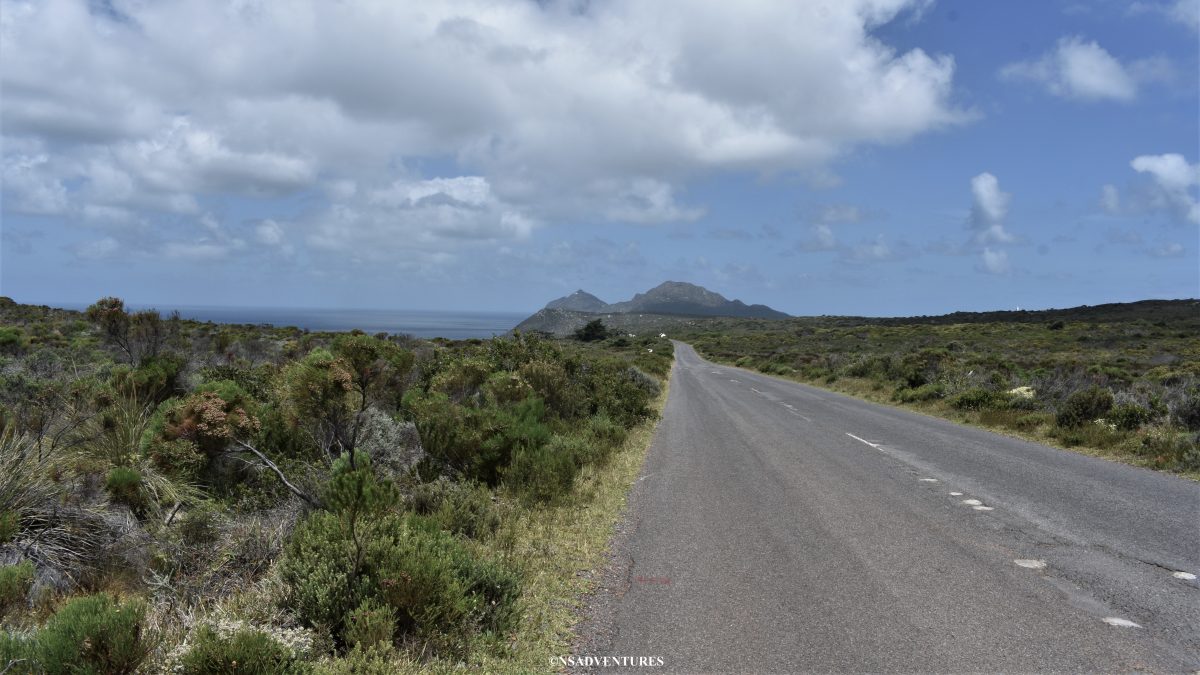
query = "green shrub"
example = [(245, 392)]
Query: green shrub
[(10, 525), (94, 634), (925, 392), (544, 472), (361, 550), (1084, 406), (124, 486), (19, 651), (1186, 413), (370, 624), (15, 581), (1129, 416), (978, 398), (247, 651), (462, 508)]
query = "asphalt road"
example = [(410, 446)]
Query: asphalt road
[(781, 528)]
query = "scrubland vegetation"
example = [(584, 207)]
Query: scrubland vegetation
[(1121, 381), (199, 498)]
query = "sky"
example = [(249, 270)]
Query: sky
[(868, 157)]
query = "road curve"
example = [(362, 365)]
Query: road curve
[(780, 528)]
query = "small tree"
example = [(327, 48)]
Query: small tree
[(594, 330), (140, 335)]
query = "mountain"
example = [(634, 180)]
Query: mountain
[(579, 301), (677, 297), (672, 303)]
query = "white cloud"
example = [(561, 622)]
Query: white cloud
[(1183, 12), (820, 238), (1110, 199), (269, 232), (1168, 250), (995, 261), (989, 209), (1175, 181), (1084, 70), (30, 186), (568, 111), (99, 249)]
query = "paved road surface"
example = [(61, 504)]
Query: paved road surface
[(780, 528)]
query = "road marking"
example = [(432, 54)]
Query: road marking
[(861, 440), (981, 507), (1184, 575), (732, 380), (1031, 564), (972, 502), (928, 480), (757, 391), (955, 494), (1122, 623)]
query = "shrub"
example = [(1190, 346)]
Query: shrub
[(405, 563), (544, 472), (370, 624), (10, 525), (247, 651), (1129, 416), (592, 331), (361, 550), (1186, 412), (124, 486), (925, 392), (978, 398), (462, 508), (1084, 406), (207, 420), (93, 634), (15, 581)]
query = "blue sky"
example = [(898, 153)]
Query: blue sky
[(879, 157)]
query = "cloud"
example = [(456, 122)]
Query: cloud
[(569, 112), (878, 250), (1168, 250), (1110, 199), (1174, 181), (99, 249), (269, 233), (988, 210), (1085, 71), (1183, 12), (994, 261)]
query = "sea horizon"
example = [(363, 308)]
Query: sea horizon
[(423, 323)]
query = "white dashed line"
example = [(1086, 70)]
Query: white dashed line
[(732, 380), (1187, 576), (1031, 564), (1122, 623), (928, 480), (972, 502), (861, 440), (955, 494), (982, 508), (757, 391)]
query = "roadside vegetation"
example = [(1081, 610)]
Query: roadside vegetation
[(1121, 381), (198, 498)]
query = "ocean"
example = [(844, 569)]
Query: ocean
[(419, 323)]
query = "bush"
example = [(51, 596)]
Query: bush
[(462, 508), (124, 486), (10, 525), (408, 564), (592, 331), (361, 550), (247, 651), (15, 581), (1084, 406), (544, 472), (370, 624), (93, 634), (1186, 412), (978, 398), (925, 392), (1129, 416)]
